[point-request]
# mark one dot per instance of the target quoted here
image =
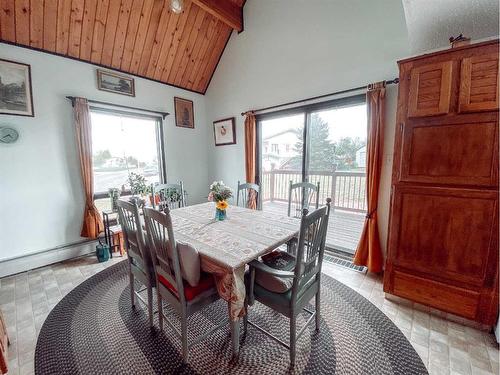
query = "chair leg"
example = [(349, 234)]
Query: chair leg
[(185, 352), (150, 306), (318, 310), (245, 317), (160, 309), (132, 293), (293, 333)]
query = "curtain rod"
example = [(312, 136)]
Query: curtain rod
[(163, 114), (390, 82)]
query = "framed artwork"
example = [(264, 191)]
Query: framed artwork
[(184, 113), (117, 83), (16, 97), (225, 132)]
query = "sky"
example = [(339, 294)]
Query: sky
[(124, 136), (343, 122)]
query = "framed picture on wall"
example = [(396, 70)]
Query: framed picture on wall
[(16, 97), (225, 132), (117, 83), (184, 113)]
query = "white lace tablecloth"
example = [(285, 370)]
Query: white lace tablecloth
[(225, 247)]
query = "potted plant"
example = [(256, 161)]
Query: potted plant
[(138, 186)]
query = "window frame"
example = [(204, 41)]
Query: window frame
[(159, 136), (306, 110)]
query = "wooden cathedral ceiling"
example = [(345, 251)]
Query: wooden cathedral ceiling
[(140, 37)]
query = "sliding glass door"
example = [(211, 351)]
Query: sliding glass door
[(323, 144)]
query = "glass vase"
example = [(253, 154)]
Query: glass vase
[(220, 215)]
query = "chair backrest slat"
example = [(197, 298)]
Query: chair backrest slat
[(171, 195), (129, 217), (245, 192), (162, 243), (311, 247), (302, 195)]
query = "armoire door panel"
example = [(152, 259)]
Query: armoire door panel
[(461, 153), (430, 86), (479, 83), (443, 232)]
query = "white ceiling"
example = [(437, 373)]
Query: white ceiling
[(431, 22)]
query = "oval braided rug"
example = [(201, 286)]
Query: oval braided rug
[(94, 330)]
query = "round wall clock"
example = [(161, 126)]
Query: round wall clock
[(8, 135)]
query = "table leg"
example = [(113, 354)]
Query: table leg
[(235, 334)]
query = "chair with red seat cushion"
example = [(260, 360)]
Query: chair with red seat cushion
[(140, 263), (190, 292), (184, 298)]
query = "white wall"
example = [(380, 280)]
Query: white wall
[(41, 198), (296, 49), (431, 23)]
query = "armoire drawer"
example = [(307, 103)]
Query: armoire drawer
[(432, 293)]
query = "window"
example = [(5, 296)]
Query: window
[(274, 148), (122, 144)]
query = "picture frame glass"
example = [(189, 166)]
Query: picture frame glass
[(224, 132), (119, 84), (184, 113), (15, 89)]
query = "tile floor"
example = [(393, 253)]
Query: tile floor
[(445, 347)]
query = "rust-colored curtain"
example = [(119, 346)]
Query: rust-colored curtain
[(92, 221), (3, 345), (369, 252), (250, 145)]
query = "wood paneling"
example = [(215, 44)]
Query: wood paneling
[(141, 37), (88, 29), (36, 24), (229, 12), (7, 20), (75, 27), (49, 25), (443, 231)]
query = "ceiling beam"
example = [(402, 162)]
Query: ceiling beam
[(226, 11)]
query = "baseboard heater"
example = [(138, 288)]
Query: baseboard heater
[(46, 257)]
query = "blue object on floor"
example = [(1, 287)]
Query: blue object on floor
[(102, 252)]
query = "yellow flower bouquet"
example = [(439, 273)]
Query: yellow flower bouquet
[(222, 205)]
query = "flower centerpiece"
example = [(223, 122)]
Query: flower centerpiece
[(220, 193)]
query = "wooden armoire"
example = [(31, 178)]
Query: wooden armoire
[(443, 228)]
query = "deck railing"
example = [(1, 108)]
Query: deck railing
[(347, 189)]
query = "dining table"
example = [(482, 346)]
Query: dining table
[(226, 247)]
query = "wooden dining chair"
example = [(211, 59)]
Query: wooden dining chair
[(171, 287), (302, 195), (286, 283), (172, 195), (140, 262), (245, 191)]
